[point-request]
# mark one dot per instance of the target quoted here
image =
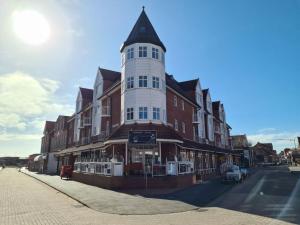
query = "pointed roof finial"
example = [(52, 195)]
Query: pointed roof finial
[(143, 8)]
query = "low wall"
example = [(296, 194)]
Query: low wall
[(128, 182)]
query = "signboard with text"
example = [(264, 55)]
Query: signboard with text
[(140, 137)]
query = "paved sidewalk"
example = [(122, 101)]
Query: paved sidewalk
[(26, 201), (137, 202)]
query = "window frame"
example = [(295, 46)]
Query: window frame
[(130, 82), (143, 79), (155, 53), (143, 51), (130, 53), (175, 101), (143, 113), (130, 113), (183, 127), (155, 82), (156, 113), (176, 125)]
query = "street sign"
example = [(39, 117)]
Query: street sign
[(142, 137)]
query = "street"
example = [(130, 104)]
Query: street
[(271, 196)]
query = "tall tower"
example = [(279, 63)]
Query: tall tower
[(143, 84)]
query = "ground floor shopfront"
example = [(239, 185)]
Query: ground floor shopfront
[(165, 164)]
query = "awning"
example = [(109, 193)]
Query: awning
[(79, 148), (38, 158)]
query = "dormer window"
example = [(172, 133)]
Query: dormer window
[(154, 53), (143, 51), (130, 53)]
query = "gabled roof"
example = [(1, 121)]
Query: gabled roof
[(172, 83), (205, 92), (110, 75), (49, 126), (143, 32), (189, 85), (86, 93)]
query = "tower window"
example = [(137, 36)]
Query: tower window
[(130, 82), (156, 113), (154, 53), (130, 53), (143, 113), (143, 51), (155, 82), (130, 114), (143, 81)]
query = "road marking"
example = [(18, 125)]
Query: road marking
[(255, 190), (289, 205)]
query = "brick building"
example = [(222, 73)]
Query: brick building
[(142, 121)]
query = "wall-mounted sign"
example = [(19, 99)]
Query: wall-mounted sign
[(142, 137)]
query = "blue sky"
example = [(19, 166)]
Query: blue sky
[(246, 52)]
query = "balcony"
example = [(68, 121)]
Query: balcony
[(85, 140), (100, 137), (105, 111), (199, 139), (196, 119)]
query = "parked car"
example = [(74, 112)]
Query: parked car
[(234, 174)]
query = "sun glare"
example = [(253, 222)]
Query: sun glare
[(31, 27)]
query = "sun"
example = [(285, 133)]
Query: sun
[(31, 27)]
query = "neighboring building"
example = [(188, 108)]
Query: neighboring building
[(240, 144), (143, 121), (264, 153)]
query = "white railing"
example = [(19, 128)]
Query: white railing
[(101, 168), (179, 168)]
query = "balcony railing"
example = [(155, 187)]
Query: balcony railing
[(100, 137), (105, 111)]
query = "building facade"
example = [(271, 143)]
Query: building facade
[(143, 122)]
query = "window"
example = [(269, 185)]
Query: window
[(182, 105), (130, 82), (143, 113), (155, 82), (176, 125), (175, 100), (129, 113), (143, 81), (156, 113), (183, 127), (154, 53), (143, 51), (130, 53)]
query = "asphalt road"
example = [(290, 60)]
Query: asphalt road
[(272, 192)]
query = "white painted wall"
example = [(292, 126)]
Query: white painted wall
[(52, 163), (96, 112), (199, 100), (143, 97)]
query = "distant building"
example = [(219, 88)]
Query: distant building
[(240, 144), (264, 153)]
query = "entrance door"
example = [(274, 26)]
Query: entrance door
[(148, 162)]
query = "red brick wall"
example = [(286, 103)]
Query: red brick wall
[(180, 115)]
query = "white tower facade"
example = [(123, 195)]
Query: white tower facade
[(143, 84)]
